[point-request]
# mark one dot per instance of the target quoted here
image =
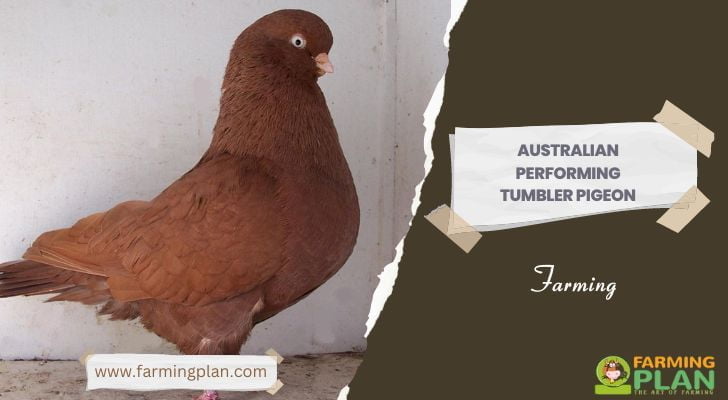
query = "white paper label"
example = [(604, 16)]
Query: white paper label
[(510, 177), (163, 372)]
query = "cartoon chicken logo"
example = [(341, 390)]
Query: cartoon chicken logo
[(613, 370)]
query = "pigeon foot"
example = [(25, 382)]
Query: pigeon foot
[(209, 395)]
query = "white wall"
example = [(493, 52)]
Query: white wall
[(421, 60), (105, 101)]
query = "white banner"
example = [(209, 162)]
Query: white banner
[(509, 177), (162, 372)]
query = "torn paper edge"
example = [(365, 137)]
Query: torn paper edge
[(388, 277)]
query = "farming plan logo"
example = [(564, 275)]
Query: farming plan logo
[(656, 376)]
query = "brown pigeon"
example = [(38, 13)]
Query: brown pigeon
[(267, 215)]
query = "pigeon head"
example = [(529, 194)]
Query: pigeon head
[(294, 43), (271, 105)]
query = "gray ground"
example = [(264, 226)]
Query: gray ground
[(305, 378)]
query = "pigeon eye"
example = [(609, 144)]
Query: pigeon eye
[(298, 41)]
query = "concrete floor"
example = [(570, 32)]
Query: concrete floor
[(305, 377)]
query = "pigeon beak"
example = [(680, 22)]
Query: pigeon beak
[(323, 64)]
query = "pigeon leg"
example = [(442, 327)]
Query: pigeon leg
[(209, 395)]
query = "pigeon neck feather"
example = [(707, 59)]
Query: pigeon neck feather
[(268, 111)]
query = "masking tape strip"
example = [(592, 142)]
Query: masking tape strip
[(86, 354), (272, 353), (678, 216), (686, 127), (275, 388), (278, 385), (454, 227)]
